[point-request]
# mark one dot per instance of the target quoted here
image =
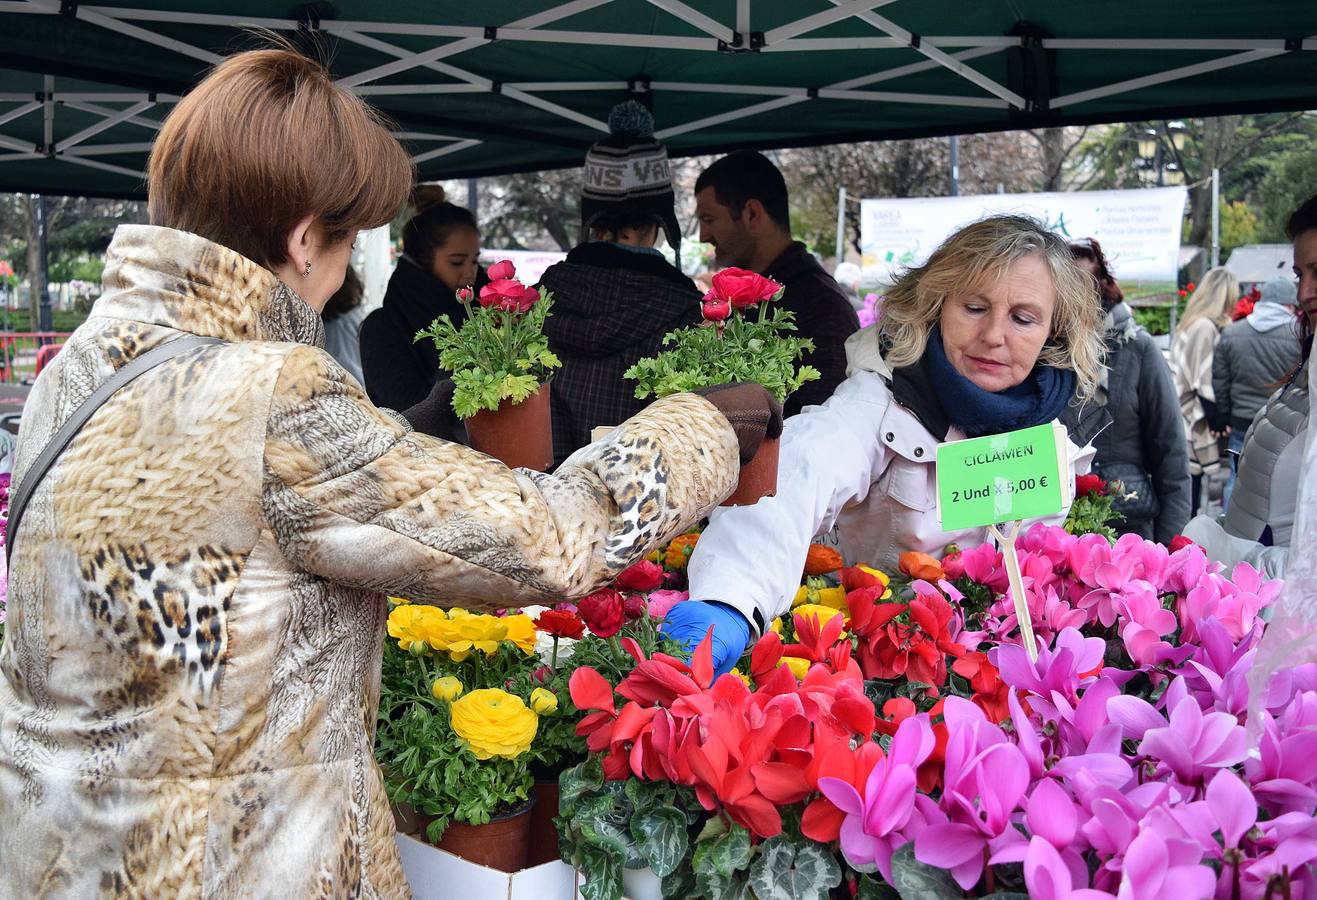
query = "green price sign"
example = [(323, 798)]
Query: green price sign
[(1002, 477)]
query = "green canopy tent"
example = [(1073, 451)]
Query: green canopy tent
[(521, 85)]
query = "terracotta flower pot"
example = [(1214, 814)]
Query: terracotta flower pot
[(520, 435), (499, 844), (409, 820), (758, 476), (543, 834)]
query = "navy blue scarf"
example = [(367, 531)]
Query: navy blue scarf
[(1038, 399)]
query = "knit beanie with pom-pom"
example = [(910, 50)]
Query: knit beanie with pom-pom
[(629, 169)]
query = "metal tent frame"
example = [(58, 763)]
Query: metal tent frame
[(84, 94)]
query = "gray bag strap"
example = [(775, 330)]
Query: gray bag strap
[(125, 375)]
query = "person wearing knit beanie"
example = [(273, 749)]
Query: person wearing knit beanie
[(615, 296), (627, 173)]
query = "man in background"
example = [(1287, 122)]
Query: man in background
[(741, 204)]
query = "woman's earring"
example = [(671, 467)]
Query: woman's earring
[(307, 270)]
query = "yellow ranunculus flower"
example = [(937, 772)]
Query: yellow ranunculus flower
[(818, 611), (463, 632), (414, 623), (834, 597), (521, 631), (799, 667), (493, 722), (543, 701), (776, 627), (741, 675), (802, 596), (446, 688), (399, 601)]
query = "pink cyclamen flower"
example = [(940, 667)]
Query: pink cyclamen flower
[(502, 269), (1157, 869), (1072, 662), (984, 780), (1194, 743), (872, 829)]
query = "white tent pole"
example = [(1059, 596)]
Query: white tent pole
[(20, 111), (1133, 84), (444, 151), (910, 69), (695, 17), (743, 18), (710, 121), (48, 113), (94, 164), (23, 147), (841, 225), (921, 99), (94, 18), (152, 124), (107, 123), (106, 149), (844, 10), (472, 41), (1216, 217)]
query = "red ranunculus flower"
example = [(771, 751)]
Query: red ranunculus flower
[(743, 288), (603, 611), (509, 295), (715, 310), (634, 607), (502, 269), (643, 576), (1089, 484), (1179, 542), (560, 624)]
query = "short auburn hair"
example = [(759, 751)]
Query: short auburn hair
[(265, 140)]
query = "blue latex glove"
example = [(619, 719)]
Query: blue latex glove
[(687, 623)]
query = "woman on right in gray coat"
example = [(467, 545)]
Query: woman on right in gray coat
[(1259, 520), (1145, 447)]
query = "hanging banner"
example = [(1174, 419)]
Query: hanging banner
[(530, 264), (1139, 230)]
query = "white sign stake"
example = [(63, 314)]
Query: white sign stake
[(1007, 543)]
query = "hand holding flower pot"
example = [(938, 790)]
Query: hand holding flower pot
[(731, 347), (501, 362)]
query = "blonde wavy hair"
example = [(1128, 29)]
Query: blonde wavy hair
[(979, 254), (1214, 299)]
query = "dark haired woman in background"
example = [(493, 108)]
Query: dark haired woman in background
[(440, 245), (1145, 447)]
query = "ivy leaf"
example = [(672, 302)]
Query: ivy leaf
[(868, 889), (786, 870), (716, 887), (914, 880), (722, 854), (605, 878), (679, 884), (661, 838)]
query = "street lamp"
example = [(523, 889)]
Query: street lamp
[(1148, 143), (1154, 165)]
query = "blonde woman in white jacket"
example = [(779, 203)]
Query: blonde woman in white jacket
[(1206, 313), (997, 331)]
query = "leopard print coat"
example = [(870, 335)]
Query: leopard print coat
[(190, 672)]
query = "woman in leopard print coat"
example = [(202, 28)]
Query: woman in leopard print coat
[(190, 675)]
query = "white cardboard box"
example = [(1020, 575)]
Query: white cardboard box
[(436, 874)]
